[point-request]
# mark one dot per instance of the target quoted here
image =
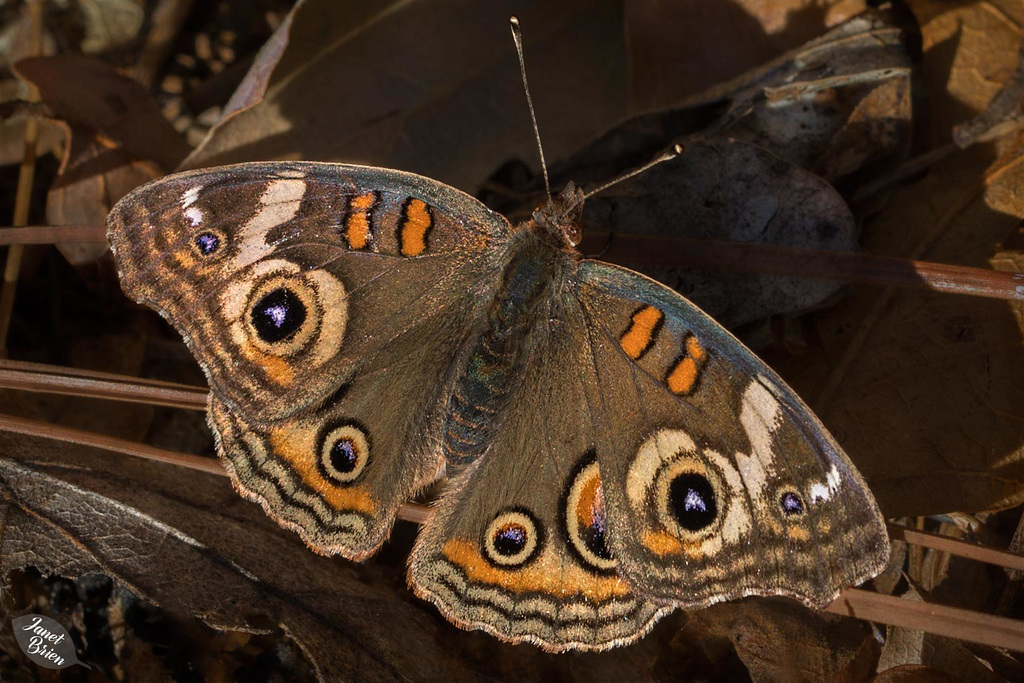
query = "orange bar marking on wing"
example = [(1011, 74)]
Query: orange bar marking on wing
[(415, 226), (642, 332)]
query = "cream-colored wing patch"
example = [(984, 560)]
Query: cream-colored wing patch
[(760, 415), (279, 203)]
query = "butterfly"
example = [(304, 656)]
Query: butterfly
[(612, 453)]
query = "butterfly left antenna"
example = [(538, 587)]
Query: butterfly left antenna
[(517, 36)]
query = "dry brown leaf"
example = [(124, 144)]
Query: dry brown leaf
[(928, 405), (780, 640), (85, 26), (431, 87), (113, 131), (676, 48), (109, 24), (887, 582), (253, 88), (680, 48), (842, 102), (833, 106), (94, 174), (89, 93), (188, 544), (15, 112), (16, 36), (1004, 113), (922, 389), (731, 191), (970, 54), (914, 673), (907, 647)]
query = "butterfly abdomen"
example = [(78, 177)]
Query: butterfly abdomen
[(488, 375)]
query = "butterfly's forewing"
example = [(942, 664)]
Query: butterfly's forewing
[(719, 481), (366, 250), (516, 546), (326, 304)]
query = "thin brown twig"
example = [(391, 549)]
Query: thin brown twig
[(21, 425), (70, 382), (952, 622), (812, 263), (67, 371), (713, 255), (956, 546), (23, 200), (52, 234), (417, 513)]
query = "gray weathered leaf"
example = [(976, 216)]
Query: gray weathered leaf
[(188, 543), (727, 190)]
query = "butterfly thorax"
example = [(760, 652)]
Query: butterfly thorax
[(491, 373)]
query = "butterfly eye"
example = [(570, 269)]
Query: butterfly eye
[(512, 539), (344, 452), (791, 503), (585, 518), (278, 315), (692, 501)]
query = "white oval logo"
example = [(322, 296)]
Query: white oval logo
[(45, 641)]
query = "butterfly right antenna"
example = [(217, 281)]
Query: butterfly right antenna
[(676, 150)]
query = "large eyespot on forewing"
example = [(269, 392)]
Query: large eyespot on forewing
[(284, 319), (688, 498)]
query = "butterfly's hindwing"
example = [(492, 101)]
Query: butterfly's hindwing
[(338, 473), (517, 545)]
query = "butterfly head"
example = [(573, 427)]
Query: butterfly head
[(558, 219)]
